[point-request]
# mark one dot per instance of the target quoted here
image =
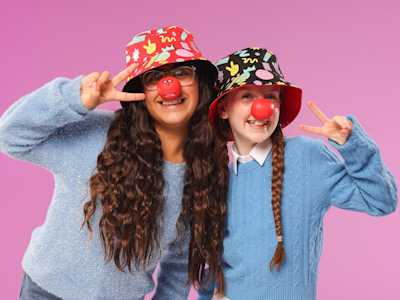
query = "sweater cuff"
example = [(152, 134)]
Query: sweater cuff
[(356, 143), (71, 92)]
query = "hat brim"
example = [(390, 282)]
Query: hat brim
[(134, 83), (195, 58)]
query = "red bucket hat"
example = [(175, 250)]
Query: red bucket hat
[(255, 66), (157, 47)]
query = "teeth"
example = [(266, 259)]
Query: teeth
[(257, 123), (172, 102)]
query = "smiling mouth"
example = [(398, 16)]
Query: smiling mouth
[(258, 123), (172, 102)]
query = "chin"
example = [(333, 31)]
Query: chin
[(174, 122), (258, 140), (256, 137), (251, 138)]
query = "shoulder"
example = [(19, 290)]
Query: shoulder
[(86, 136), (303, 146), (313, 151), (301, 142), (95, 122), (80, 143)]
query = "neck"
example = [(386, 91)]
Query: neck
[(172, 143), (244, 148)]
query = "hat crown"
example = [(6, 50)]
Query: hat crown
[(163, 35), (253, 65), (159, 46)]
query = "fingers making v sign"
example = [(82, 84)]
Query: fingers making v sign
[(98, 88), (337, 128)]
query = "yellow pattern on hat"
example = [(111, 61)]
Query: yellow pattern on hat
[(233, 68), (150, 47)]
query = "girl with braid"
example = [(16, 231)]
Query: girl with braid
[(280, 188), (134, 188)]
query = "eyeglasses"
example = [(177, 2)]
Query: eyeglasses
[(185, 75)]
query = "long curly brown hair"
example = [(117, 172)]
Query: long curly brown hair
[(128, 185), (224, 134)]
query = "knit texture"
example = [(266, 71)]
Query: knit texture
[(314, 180), (50, 127)]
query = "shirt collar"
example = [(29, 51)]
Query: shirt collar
[(258, 153)]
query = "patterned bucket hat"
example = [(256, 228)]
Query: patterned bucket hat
[(255, 66), (157, 47)]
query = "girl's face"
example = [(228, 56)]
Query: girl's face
[(236, 108), (174, 113)]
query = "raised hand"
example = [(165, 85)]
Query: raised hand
[(337, 129), (98, 88)]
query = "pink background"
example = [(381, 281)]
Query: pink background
[(345, 54)]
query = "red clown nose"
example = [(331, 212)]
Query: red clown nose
[(169, 88), (262, 109)]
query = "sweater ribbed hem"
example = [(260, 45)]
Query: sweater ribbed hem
[(73, 290), (286, 293)]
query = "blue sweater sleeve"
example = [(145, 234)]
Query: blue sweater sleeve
[(172, 280), (361, 182), (28, 127)]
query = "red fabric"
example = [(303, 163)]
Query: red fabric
[(157, 47)]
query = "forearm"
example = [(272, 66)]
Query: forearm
[(35, 117), (363, 183)]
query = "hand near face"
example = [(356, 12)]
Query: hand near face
[(337, 128), (98, 88)]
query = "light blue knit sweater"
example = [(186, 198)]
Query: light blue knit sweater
[(51, 128), (314, 180)]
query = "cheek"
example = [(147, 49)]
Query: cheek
[(277, 112), (238, 114), (277, 109), (195, 96), (150, 103), (150, 97), (238, 108), (193, 93)]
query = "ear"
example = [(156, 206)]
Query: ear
[(221, 108)]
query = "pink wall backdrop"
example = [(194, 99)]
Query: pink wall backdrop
[(345, 54)]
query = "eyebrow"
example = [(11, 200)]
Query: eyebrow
[(271, 92), (166, 67)]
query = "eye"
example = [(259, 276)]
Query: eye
[(247, 95), (271, 96), (152, 77), (183, 72)]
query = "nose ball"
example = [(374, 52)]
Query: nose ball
[(169, 88), (262, 108)]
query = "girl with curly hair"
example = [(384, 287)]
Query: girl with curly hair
[(136, 188)]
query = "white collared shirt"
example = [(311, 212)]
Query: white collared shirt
[(258, 153)]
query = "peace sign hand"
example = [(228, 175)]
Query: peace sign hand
[(337, 129), (97, 88)]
